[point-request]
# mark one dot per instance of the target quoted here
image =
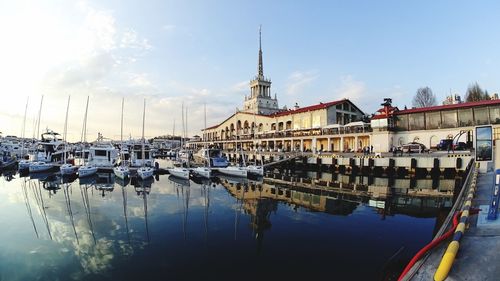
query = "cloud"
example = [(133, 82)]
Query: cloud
[(351, 89), (168, 27), (240, 87), (298, 80)]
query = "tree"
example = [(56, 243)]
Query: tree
[(475, 93), (424, 98)]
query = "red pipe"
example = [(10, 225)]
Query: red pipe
[(434, 243)]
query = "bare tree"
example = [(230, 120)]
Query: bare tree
[(424, 98), (475, 93)]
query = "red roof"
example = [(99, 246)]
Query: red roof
[(449, 106)]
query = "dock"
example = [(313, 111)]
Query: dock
[(478, 247)]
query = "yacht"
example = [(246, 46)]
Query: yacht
[(51, 148), (211, 157), (136, 157), (101, 153)]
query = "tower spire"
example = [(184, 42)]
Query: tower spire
[(261, 66)]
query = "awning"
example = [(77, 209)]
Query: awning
[(333, 126), (357, 123)]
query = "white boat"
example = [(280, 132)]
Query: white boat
[(138, 159), (87, 170), (202, 172), (211, 157), (121, 171), (145, 172), (50, 148), (67, 169), (255, 170), (39, 166), (234, 171), (179, 172), (101, 153)]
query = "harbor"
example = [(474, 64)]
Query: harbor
[(249, 140)]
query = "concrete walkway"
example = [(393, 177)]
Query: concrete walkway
[(479, 255)]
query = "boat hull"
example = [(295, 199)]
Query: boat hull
[(86, 171), (180, 173), (145, 172), (234, 171)]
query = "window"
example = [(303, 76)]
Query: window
[(100, 152), (433, 120), (465, 117), (481, 116), (449, 119)]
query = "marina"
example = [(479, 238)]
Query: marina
[(249, 140), (183, 229)]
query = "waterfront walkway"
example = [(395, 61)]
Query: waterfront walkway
[(479, 248)]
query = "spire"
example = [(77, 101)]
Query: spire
[(261, 66)]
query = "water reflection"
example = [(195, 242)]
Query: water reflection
[(94, 227)]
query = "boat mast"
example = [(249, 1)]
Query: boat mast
[(143, 122), (24, 126), (205, 129), (121, 135), (39, 115), (65, 130), (83, 138)]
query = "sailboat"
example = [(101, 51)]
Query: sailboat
[(204, 172), (87, 169), (66, 168), (37, 165), (121, 171), (181, 172), (24, 163), (234, 170), (144, 172), (255, 169)]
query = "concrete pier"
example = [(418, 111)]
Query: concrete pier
[(476, 258)]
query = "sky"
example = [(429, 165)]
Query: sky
[(191, 53)]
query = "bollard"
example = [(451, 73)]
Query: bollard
[(493, 210)]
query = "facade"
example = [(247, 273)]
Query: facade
[(330, 126), (393, 127), (340, 126)]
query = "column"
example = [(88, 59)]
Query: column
[(313, 145), (356, 143), (302, 145), (341, 148), (329, 144)]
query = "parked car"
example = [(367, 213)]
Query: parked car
[(414, 147), (445, 144)]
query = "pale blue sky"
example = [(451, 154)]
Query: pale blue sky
[(206, 51)]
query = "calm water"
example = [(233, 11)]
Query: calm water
[(103, 229)]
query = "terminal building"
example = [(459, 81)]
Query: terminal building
[(340, 126)]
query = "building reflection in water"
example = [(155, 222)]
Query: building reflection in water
[(421, 198)]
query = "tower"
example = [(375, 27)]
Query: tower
[(260, 101)]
